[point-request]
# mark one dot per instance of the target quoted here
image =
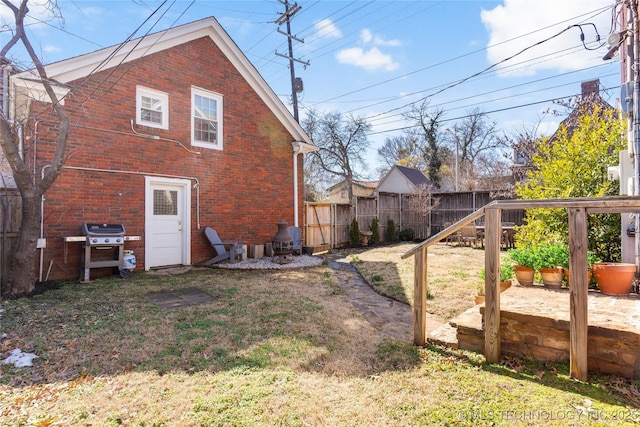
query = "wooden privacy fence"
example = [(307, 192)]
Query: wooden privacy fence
[(578, 209), (10, 219), (327, 224)]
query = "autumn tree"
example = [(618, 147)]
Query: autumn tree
[(342, 143), (574, 164), (22, 278)]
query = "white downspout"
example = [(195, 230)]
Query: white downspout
[(296, 150), (299, 147)]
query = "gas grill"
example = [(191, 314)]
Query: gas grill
[(103, 234), (104, 247)]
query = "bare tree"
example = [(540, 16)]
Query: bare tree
[(427, 123), (476, 148), (22, 278), (342, 144), (404, 150), (423, 201)]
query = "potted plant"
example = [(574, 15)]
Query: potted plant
[(479, 296), (523, 261), (506, 274), (592, 258), (549, 259), (614, 278)]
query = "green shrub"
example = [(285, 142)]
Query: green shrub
[(354, 233), (575, 165), (522, 257), (550, 256), (406, 235), (375, 229), (391, 231), (506, 272)]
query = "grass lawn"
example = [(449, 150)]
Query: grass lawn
[(272, 348), (453, 275)]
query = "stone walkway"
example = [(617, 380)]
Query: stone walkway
[(392, 318), (389, 316)]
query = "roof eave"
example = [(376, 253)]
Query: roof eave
[(81, 66)]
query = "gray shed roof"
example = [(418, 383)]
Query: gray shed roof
[(416, 177)]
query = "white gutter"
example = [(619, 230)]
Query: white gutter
[(298, 147)]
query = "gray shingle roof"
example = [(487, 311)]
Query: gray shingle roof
[(416, 177)]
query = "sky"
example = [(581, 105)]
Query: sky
[(375, 59)]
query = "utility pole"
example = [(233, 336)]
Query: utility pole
[(296, 84)]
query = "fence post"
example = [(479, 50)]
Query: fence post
[(420, 298), (493, 230), (578, 294)]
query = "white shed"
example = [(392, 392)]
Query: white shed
[(403, 180)]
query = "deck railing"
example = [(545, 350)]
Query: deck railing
[(578, 208)]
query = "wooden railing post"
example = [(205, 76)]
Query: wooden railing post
[(420, 298), (493, 233), (578, 293)]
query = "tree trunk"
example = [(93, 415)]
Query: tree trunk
[(22, 276)]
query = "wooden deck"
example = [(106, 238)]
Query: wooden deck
[(535, 324)]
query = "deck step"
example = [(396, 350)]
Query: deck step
[(445, 335), (464, 331)]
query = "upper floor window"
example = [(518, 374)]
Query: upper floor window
[(206, 119), (152, 108)]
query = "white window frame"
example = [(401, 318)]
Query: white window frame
[(162, 97), (195, 91)]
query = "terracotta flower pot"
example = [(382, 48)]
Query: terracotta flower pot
[(524, 275), (614, 278), (505, 285), (551, 277), (478, 299), (566, 275)]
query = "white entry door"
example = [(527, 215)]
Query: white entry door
[(167, 222)]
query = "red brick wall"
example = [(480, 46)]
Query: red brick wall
[(245, 189)]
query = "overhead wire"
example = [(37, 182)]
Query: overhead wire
[(498, 110), (405, 75)]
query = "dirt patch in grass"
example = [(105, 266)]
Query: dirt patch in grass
[(453, 275), (271, 348)]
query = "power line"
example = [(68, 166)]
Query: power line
[(487, 112)]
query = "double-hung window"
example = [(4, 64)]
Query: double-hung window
[(152, 108), (206, 119)]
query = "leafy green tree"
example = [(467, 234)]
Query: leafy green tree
[(574, 164)]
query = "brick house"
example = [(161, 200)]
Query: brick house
[(170, 133)]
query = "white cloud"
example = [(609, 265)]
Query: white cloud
[(49, 48), (326, 28), (366, 36), (371, 60), (519, 24), (92, 11)]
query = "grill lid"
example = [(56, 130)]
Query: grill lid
[(103, 229)]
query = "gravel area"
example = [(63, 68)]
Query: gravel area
[(267, 264)]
